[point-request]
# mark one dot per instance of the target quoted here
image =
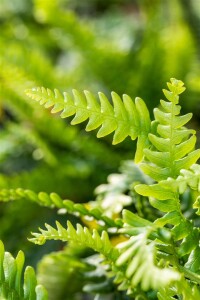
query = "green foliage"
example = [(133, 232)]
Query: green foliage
[(128, 47), (154, 251), (59, 268), (11, 276)]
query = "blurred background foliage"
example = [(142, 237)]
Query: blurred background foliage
[(128, 46)]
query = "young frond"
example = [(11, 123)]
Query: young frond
[(80, 235), (172, 150), (14, 284), (124, 117)]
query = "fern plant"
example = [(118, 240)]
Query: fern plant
[(150, 250)]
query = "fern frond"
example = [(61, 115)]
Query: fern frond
[(80, 235), (171, 152), (53, 200), (125, 117), (11, 272), (129, 265), (139, 257), (168, 165), (187, 178)]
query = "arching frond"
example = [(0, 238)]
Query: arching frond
[(125, 117)]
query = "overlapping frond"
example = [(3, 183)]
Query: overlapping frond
[(125, 117), (182, 290), (167, 201), (16, 284), (130, 259), (138, 255)]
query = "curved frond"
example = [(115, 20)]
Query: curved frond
[(124, 117), (14, 284), (80, 235)]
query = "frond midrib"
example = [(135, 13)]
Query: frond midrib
[(96, 112)]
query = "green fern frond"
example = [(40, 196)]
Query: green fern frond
[(172, 165), (138, 254), (53, 200), (11, 285), (57, 269), (125, 118), (139, 257), (129, 265), (80, 235), (171, 152), (166, 293)]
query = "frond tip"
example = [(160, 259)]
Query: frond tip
[(124, 118)]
